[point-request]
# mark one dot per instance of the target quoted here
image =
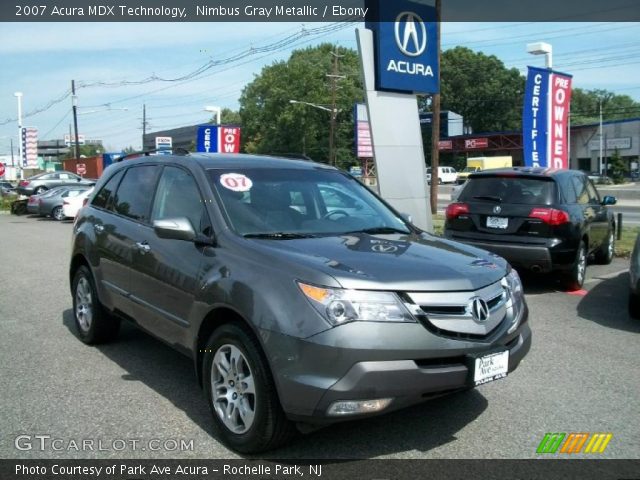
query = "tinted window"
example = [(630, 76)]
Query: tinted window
[(521, 191), (48, 176), (581, 189), (178, 196), (135, 192), (568, 192), (101, 200), (592, 192)]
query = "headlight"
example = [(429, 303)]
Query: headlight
[(340, 306), (513, 284)]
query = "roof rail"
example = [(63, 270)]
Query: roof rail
[(146, 153), (292, 156)]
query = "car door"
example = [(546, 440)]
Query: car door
[(590, 212), (166, 273), (600, 226), (128, 215)]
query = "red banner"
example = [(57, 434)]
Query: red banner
[(560, 101), (445, 145), (229, 140), (476, 143)]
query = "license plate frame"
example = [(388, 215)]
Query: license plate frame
[(498, 223), (489, 367)]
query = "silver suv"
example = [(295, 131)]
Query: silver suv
[(295, 308)]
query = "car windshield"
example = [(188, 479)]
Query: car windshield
[(523, 191), (291, 203)]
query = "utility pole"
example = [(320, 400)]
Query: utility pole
[(601, 166), (144, 122), (435, 126), (74, 101), (13, 163), (334, 76)]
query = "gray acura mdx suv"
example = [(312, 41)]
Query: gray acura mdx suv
[(301, 296)]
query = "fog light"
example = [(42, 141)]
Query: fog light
[(357, 407)]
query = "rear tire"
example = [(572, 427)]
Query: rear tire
[(58, 214), (246, 411), (604, 255), (93, 322), (574, 279), (634, 305)]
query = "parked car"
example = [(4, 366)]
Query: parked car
[(46, 181), (445, 175), (600, 179), (634, 283), (538, 219), (290, 316), (6, 189), (33, 203), (51, 205), (72, 204)]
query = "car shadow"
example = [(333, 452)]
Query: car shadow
[(169, 373), (606, 304), (538, 283)]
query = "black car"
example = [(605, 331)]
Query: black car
[(541, 220), (46, 181)]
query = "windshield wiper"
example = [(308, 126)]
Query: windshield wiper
[(488, 197), (279, 235), (381, 231)]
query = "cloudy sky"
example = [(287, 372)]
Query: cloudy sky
[(112, 62)]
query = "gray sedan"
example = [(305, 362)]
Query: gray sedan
[(52, 204), (46, 181), (634, 286)]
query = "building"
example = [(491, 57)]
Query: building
[(620, 135), (182, 137)]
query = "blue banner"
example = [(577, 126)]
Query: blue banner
[(207, 139), (535, 118), (406, 49)]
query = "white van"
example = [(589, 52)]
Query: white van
[(445, 175)]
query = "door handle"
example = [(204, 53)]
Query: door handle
[(98, 228), (143, 247)]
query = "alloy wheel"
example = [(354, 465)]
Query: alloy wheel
[(84, 304), (233, 389)]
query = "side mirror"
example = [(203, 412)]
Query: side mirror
[(175, 229), (609, 200)]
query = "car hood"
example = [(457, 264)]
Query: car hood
[(416, 262)]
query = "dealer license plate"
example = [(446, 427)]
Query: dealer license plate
[(497, 222), (491, 367)]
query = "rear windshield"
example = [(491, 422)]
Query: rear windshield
[(520, 191)]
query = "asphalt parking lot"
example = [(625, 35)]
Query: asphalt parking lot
[(582, 375)]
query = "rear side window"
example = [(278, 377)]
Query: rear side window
[(101, 200), (515, 190), (581, 189), (135, 192)]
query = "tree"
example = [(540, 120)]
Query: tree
[(271, 124), (617, 167), (85, 151), (585, 106), (480, 88)]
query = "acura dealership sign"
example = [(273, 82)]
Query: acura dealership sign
[(406, 50)]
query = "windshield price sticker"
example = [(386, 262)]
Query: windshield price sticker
[(236, 182)]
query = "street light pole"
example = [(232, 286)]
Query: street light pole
[(18, 95), (217, 111), (334, 113), (74, 101)]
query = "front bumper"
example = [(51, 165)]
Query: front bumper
[(364, 360)]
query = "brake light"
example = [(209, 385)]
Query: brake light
[(454, 210), (24, 183), (550, 216)]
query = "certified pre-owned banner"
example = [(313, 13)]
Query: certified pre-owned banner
[(545, 119)]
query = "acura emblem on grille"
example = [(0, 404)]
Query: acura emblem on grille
[(497, 209), (479, 309)]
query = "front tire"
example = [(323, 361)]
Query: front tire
[(574, 279), (604, 255), (93, 322), (241, 392)]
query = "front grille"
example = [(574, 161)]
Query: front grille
[(450, 314)]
